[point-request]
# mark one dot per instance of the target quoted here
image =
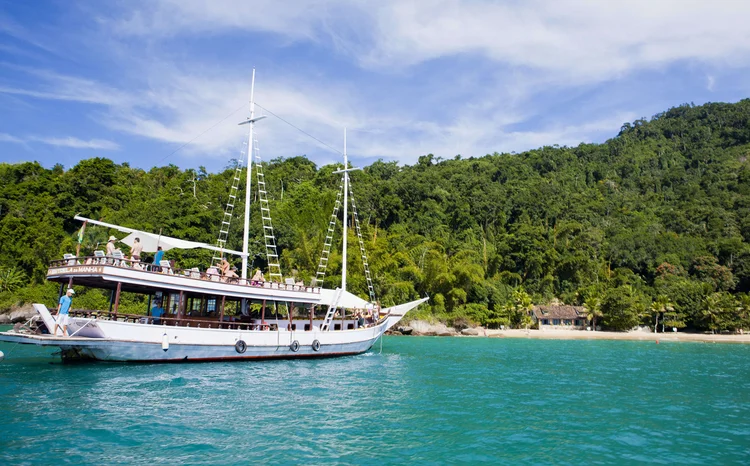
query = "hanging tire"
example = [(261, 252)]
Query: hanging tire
[(240, 346), (316, 345), (294, 346)]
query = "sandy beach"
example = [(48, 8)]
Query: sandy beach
[(646, 336)]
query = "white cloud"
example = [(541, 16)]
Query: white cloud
[(4, 137), (521, 50), (579, 40), (76, 143), (71, 142)]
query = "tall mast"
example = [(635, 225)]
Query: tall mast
[(246, 232), (345, 171), (346, 204)]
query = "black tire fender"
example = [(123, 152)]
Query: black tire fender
[(240, 346), (316, 345), (294, 346)]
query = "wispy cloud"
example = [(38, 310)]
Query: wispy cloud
[(76, 143), (445, 77), (71, 142), (8, 138), (580, 41)]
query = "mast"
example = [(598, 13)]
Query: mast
[(246, 232), (346, 190), (345, 171)]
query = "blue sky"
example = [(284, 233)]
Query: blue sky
[(135, 80)]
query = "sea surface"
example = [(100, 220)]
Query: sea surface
[(422, 400)]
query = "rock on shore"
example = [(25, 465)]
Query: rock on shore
[(18, 314)]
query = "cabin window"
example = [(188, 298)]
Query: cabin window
[(350, 326), (294, 326), (307, 327), (545, 321), (211, 305), (337, 327), (555, 321)]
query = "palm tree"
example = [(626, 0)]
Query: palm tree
[(661, 305), (593, 306), (11, 278), (711, 310)]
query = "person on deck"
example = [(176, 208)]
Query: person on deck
[(157, 311), (157, 259), (111, 245), (224, 267), (257, 278), (135, 251), (62, 312)]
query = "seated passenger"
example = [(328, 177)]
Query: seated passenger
[(231, 273), (257, 278)]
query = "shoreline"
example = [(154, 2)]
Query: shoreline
[(631, 336), (420, 328)]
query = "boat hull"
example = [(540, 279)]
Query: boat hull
[(106, 340), (132, 351)]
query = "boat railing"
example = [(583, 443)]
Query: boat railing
[(189, 321), (194, 273)]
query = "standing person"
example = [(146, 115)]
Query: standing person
[(157, 311), (62, 312), (135, 251), (158, 256), (224, 266), (111, 245), (157, 259)]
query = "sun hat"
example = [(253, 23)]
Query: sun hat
[(71, 291), (112, 238)]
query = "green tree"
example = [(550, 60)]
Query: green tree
[(659, 308)]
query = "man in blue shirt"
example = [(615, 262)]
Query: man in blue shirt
[(157, 258), (62, 312), (157, 311)]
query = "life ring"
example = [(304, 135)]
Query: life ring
[(294, 346), (240, 346), (316, 345)]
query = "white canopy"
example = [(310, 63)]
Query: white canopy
[(347, 300), (151, 240)]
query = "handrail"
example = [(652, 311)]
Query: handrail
[(140, 266), (172, 321)]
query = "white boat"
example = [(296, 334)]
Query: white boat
[(319, 321)]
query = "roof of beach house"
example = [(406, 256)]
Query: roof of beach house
[(559, 312)]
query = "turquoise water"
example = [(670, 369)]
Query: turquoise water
[(423, 400)]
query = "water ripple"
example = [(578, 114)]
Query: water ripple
[(424, 400)]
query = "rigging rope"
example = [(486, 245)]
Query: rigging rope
[(300, 129), (204, 132)]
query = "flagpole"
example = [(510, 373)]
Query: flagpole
[(80, 238)]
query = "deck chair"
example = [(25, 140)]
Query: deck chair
[(118, 257), (213, 274), (70, 258), (195, 272), (101, 258), (289, 281), (166, 267)]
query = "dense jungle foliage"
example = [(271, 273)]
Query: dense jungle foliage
[(651, 226)]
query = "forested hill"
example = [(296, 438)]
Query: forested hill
[(655, 222)]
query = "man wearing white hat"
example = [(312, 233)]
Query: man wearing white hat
[(111, 245), (62, 312)]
